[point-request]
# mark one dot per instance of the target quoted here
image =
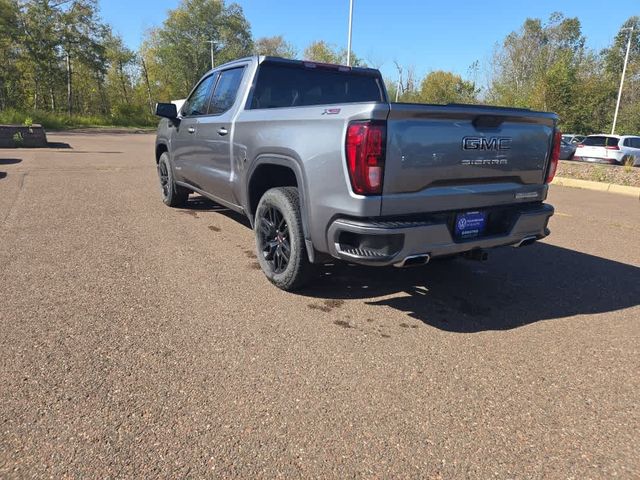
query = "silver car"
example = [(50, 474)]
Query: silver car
[(567, 150)]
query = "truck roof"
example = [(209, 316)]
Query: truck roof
[(366, 70), (270, 59)]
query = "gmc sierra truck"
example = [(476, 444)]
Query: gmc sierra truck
[(325, 167)]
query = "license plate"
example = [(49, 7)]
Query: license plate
[(470, 224)]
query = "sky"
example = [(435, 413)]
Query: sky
[(431, 35)]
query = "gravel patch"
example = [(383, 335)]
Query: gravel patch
[(600, 173)]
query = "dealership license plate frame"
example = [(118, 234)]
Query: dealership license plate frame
[(470, 224)]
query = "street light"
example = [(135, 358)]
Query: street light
[(212, 43), (349, 39), (624, 70)]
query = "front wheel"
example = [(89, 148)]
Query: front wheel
[(280, 239), (173, 195)]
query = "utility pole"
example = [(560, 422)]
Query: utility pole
[(350, 27), (69, 83), (212, 43), (624, 70)]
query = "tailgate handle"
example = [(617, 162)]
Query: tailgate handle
[(488, 121)]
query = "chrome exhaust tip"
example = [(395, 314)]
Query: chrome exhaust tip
[(525, 241), (414, 260)]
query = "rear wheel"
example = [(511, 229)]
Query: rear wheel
[(280, 240), (172, 195), (628, 161)]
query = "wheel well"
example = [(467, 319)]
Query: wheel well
[(268, 176), (160, 149)]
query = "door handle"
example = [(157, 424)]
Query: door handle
[(191, 130), (222, 131)]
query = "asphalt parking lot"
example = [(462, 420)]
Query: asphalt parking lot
[(141, 341)]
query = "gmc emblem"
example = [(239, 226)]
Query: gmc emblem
[(482, 143)]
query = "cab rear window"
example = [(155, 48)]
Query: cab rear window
[(284, 85), (600, 141)]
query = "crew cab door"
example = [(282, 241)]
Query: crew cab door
[(213, 161), (183, 140)]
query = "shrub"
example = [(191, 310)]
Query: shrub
[(18, 139), (121, 117)]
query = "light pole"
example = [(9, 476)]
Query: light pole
[(349, 39), (624, 70), (212, 43)]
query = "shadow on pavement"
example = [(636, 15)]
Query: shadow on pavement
[(62, 145), (514, 288), (3, 175), (200, 203), (95, 131), (9, 161)]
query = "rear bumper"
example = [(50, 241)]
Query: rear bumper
[(380, 242)]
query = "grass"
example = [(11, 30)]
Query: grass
[(61, 121)]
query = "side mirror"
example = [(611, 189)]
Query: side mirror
[(166, 110)]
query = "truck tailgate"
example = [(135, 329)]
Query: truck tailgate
[(464, 156)]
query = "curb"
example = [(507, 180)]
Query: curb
[(598, 186)]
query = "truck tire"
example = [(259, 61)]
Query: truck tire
[(280, 239), (172, 195)]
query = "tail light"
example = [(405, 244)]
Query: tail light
[(580, 145), (365, 148), (612, 147), (555, 156)]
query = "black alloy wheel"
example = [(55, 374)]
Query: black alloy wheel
[(173, 195), (163, 174), (274, 238)]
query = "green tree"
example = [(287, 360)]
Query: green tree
[(323, 52), (11, 91), (446, 87), (122, 68), (275, 46), (178, 53), (540, 67), (83, 45), (38, 46)]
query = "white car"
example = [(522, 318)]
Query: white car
[(612, 149)]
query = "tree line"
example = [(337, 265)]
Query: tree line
[(57, 57)]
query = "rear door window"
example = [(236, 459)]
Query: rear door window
[(197, 102), (635, 142), (224, 95)]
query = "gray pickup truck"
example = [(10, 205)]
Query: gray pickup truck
[(325, 167)]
